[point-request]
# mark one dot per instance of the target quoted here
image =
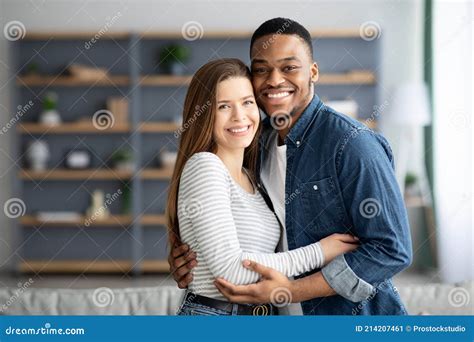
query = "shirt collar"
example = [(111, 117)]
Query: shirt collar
[(299, 129)]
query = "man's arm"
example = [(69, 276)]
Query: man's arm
[(274, 287), (379, 219), (181, 260)]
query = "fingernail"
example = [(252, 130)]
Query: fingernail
[(246, 263)]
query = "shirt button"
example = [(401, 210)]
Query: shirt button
[(298, 143), (315, 187)]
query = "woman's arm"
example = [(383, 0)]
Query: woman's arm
[(205, 193)]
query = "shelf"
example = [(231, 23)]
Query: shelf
[(372, 124), (155, 266), (68, 81), (90, 266), (415, 201), (366, 77), (74, 35), (93, 174), (158, 127), (227, 34), (113, 220), (65, 174), (88, 127), (164, 173), (70, 127), (165, 80)]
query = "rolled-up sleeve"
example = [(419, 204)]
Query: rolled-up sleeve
[(378, 216)]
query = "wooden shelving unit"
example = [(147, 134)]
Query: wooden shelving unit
[(174, 81), (94, 174), (88, 127), (68, 81), (73, 127), (91, 266), (148, 93), (113, 220), (158, 127)]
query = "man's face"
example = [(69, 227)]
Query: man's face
[(282, 74)]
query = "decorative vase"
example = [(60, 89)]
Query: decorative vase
[(38, 155), (50, 117)]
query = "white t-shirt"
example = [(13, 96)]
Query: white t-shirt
[(273, 175)]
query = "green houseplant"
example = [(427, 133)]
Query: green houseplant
[(173, 57)]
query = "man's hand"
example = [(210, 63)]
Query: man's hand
[(273, 287), (181, 260)]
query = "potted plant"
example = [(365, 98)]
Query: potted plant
[(410, 184), (173, 57), (122, 159), (50, 114)]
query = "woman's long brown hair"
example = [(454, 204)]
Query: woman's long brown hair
[(198, 126)]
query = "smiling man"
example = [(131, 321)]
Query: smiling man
[(324, 173)]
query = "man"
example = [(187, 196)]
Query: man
[(324, 173)]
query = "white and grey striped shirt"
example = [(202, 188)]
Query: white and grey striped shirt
[(224, 225)]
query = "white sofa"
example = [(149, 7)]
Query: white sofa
[(432, 299)]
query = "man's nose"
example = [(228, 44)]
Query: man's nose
[(275, 78)]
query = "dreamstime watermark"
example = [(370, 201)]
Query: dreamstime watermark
[(21, 110), (370, 30), (192, 30), (376, 290), (376, 111), (369, 208), (459, 120), (292, 196), (14, 30), (103, 119), (281, 120), (108, 24), (198, 111), (103, 296), (193, 208), (459, 297), (14, 208), (280, 297), (46, 330), (22, 287), (280, 31), (109, 199)]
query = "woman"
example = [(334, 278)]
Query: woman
[(214, 205)]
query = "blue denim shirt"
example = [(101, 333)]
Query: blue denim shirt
[(340, 179)]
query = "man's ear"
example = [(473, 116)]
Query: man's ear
[(314, 72)]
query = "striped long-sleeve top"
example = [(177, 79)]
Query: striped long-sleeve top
[(224, 224)]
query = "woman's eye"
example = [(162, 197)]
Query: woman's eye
[(248, 102), (223, 106)]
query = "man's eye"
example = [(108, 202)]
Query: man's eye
[(290, 67), (259, 70)]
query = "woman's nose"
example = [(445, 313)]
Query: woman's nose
[(238, 114)]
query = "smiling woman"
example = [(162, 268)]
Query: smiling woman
[(214, 205)]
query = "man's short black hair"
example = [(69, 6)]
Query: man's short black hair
[(278, 26)]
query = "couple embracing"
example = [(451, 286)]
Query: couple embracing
[(295, 213)]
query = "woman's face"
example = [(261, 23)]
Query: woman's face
[(237, 116)]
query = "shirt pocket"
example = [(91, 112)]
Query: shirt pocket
[(322, 206)]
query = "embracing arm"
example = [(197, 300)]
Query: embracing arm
[(207, 204)]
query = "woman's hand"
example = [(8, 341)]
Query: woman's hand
[(337, 244)]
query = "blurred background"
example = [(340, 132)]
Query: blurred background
[(91, 95)]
